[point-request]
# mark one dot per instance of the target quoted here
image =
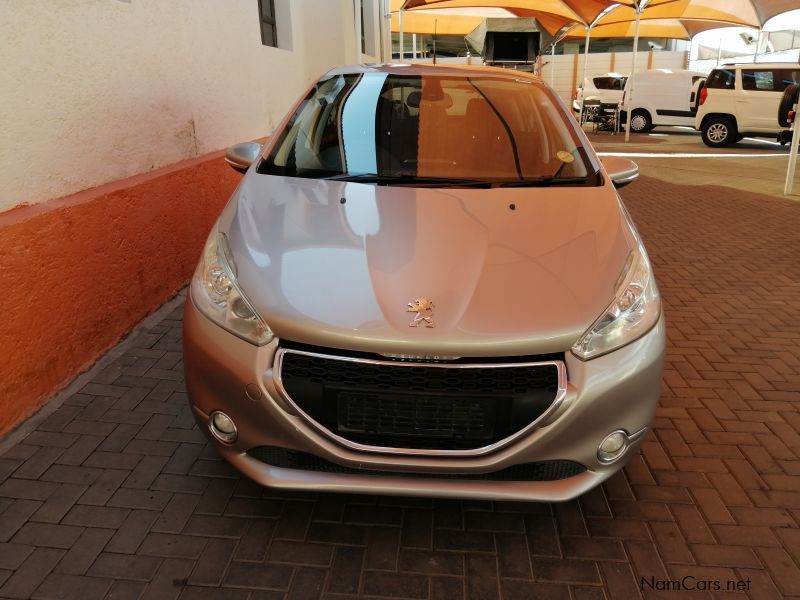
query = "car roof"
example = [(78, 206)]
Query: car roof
[(428, 69)]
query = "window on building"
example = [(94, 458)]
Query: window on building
[(266, 15)]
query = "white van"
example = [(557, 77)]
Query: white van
[(605, 89), (662, 97)]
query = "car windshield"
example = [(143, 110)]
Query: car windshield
[(610, 83), (439, 129)]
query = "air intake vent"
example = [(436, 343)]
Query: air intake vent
[(548, 470)]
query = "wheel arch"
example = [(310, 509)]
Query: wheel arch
[(646, 112), (718, 115)]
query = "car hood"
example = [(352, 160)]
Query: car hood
[(514, 271)]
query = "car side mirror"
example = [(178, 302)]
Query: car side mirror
[(620, 170), (241, 156)]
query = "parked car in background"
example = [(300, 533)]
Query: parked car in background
[(599, 89), (426, 284), (742, 100), (662, 97)]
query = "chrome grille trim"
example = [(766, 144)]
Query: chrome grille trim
[(554, 406)]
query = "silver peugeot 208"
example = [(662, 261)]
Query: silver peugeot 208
[(426, 284)]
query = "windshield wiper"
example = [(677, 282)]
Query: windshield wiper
[(542, 181), (410, 179), (453, 182)]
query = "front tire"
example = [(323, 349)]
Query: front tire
[(641, 121), (719, 132)]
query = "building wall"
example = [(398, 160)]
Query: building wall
[(564, 71), (113, 116), (787, 56), (97, 91), (81, 271)]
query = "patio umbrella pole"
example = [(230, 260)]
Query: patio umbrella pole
[(402, 39), (632, 77), (787, 188), (758, 43), (435, 24), (560, 35), (585, 64)]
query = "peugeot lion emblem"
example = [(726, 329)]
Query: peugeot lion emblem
[(424, 309)]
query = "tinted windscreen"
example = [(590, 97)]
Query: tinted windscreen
[(424, 126), (514, 46), (610, 83)]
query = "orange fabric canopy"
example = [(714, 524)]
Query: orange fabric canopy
[(430, 22), (751, 13), (676, 29)]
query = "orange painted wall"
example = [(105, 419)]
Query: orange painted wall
[(77, 273)]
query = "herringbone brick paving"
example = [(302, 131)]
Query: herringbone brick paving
[(117, 495)]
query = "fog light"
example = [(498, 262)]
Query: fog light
[(612, 447), (222, 427)]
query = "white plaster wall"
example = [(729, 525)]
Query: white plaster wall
[(93, 91)]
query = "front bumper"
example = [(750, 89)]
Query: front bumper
[(612, 392)]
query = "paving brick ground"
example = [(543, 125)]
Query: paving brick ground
[(117, 495)]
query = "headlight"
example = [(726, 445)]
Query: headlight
[(634, 311), (217, 295)]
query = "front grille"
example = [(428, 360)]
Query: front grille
[(397, 405), (547, 470), (397, 418)]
